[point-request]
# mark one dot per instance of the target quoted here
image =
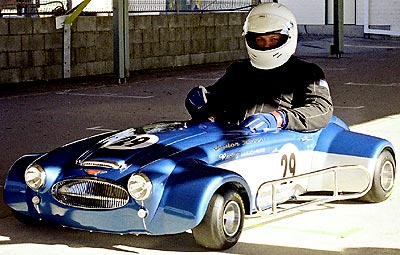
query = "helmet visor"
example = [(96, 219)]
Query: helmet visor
[(265, 41)]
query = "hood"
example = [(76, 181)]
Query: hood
[(138, 147)]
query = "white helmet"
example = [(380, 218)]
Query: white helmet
[(270, 18)]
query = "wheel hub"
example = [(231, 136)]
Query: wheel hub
[(231, 218), (387, 176)]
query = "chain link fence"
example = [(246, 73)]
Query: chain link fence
[(29, 8)]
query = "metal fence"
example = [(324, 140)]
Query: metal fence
[(57, 7)]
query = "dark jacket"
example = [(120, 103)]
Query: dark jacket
[(297, 87)]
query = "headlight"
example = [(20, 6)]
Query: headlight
[(35, 177), (139, 187)]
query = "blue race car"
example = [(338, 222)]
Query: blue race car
[(172, 177)]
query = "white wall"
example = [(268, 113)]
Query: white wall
[(307, 12), (385, 12), (381, 12)]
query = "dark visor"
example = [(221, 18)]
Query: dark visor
[(251, 40)]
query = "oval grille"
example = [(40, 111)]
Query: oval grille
[(90, 193)]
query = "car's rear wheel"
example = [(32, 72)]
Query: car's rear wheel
[(383, 179), (223, 222)]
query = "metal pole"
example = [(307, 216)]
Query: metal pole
[(126, 39), (121, 40), (338, 29), (69, 5), (67, 51), (65, 22)]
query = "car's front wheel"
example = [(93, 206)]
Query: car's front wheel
[(223, 222), (383, 179)]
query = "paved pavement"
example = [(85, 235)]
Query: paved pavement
[(365, 85)]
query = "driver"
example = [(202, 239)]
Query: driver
[(272, 88)]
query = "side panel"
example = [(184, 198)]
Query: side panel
[(279, 155), (287, 162), (347, 182)]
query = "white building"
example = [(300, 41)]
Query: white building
[(376, 16)]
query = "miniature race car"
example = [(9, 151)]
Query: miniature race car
[(171, 177)]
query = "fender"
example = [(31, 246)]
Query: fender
[(187, 194), (15, 189), (345, 142)]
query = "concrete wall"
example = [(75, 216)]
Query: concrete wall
[(31, 49)]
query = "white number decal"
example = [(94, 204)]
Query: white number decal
[(288, 159), (134, 142)]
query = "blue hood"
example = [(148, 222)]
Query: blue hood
[(140, 147)]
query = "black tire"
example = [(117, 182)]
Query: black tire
[(383, 179), (222, 224)]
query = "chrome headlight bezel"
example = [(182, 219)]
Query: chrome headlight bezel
[(140, 187), (35, 177)]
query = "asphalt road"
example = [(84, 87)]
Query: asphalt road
[(365, 85)]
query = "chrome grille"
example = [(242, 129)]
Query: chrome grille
[(90, 193), (102, 163)]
